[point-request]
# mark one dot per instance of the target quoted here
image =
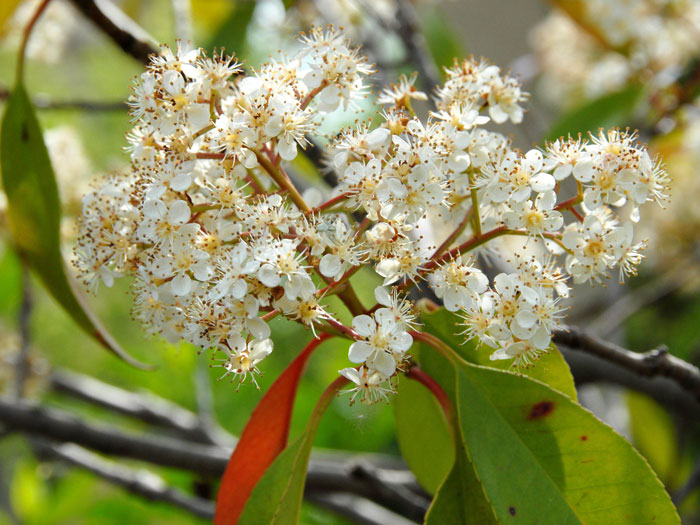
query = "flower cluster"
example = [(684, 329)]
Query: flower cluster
[(607, 44), (218, 239)]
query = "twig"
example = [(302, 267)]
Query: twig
[(140, 482), (656, 362), (159, 450), (396, 496), (147, 407), (588, 368), (358, 509), (41, 102), (126, 33), (414, 41), (324, 474), (22, 365)]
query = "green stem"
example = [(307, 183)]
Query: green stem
[(282, 180), (476, 219), (350, 299), (202, 131), (437, 344)]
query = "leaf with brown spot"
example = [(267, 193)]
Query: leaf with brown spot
[(541, 409), (567, 480)]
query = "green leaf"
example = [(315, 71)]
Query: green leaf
[(611, 110), (654, 435), (277, 497), (443, 41), (551, 368), (231, 34), (423, 433), (33, 210), (538, 453), (460, 499)]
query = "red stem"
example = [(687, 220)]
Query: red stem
[(205, 155), (330, 202)]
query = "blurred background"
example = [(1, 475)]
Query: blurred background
[(586, 64)]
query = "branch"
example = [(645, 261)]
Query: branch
[(656, 362), (409, 31), (314, 152), (358, 509), (324, 474), (126, 33), (159, 450), (588, 368), (407, 28), (148, 408), (395, 495), (23, 365), (140, 482)]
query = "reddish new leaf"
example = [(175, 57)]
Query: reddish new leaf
[(263, 438)]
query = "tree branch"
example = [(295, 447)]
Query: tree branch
[(358, 509), (126, 33), (324, 474), (140, 482), (146, 407), (23, 365), (654, 363), (409, 31)]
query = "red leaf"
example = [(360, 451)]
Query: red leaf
[(263, 438)]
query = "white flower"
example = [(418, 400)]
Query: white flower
[(368, 385), (243, 357), (458, 284), (384, 344), (537, 218)]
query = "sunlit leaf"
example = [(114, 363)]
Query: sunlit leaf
[(263, 439), (551, 368), (423, 434), (28, 492), (443, 41), (33, 211), (460, 500), (538, 453), (7, 8), (611, 110), (231, 34), (654, 435)]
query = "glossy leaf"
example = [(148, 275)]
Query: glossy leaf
[(538, 453), (423, 434), (460, 498), (231, 34), (551, 368), (654, 435), (277, 497), (33, 210), (611, 110), (443, 41), (263, 439), (7, 8)]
